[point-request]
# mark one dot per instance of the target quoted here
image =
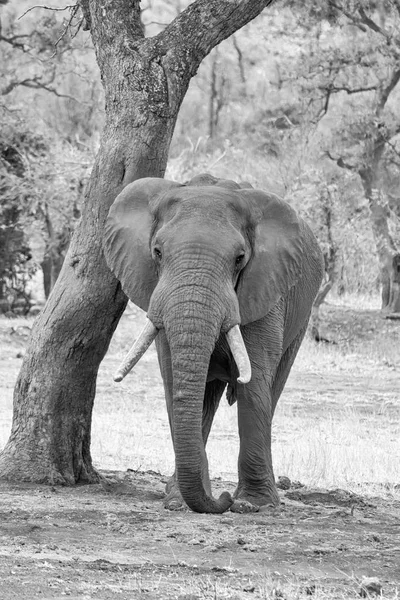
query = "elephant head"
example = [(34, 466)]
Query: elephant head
[(201, 258)]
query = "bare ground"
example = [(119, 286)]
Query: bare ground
[(115, 540)]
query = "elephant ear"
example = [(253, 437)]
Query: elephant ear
[(277, 255), (127, 236)]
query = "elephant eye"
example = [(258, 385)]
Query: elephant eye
[(239, 259), (157, 253)]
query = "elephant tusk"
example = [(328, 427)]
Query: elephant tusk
[(239, 352), (147, 335)]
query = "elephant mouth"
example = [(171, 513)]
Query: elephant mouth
[(149, 334)]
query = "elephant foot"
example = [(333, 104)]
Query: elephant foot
[(175, 503), (243, 506), (173, 500), (259, 501)]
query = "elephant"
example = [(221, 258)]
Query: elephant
[(227, 274)]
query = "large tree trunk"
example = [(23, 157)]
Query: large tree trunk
[(145, 81)]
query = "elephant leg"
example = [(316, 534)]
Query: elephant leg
[(255, 402), (213, 392), (256, 484), (256, 477), (285, 366)]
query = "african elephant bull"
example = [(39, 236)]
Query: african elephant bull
[(227, 276)]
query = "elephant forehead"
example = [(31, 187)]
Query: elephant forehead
[(208, 203), (203, 231)]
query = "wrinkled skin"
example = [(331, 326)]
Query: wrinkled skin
[(201, 258)]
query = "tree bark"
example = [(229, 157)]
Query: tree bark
[(145, 80)]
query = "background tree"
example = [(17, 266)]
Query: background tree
[(145, 80), (39, 191), (350, 73)]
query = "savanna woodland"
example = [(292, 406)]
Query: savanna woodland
[(297, 98)]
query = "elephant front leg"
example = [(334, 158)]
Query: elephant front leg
[(256, 402), (256, 485)]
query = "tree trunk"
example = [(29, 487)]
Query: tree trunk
[(331, 266), (393, 305), (145, 80), (53, 399), (385, 246)]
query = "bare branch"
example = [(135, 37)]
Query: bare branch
[(352, 18), (325, 107), (341, 163), (343, 88), (240, 58), (15, 40), (372, 25), (364, 22), (213, 21), (37, 84), (74, 10), (46, 8), (393, 147), (388, 89)]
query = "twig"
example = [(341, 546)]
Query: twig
[(389, 88), (372, 25), (74, 10), (13, 41), (36, 84), (393, 147), (46, 8), (340, 162), (351, 17), (344, 88), (240, 58)]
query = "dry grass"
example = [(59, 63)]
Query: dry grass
[(337, 423)]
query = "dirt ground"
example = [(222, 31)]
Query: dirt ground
[(115, 540)]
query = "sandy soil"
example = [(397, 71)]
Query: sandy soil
[(115, 540)]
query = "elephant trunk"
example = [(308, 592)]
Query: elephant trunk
[(192, 340)]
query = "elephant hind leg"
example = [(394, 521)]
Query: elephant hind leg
[(285, 365), (213, 392), (212, 397)]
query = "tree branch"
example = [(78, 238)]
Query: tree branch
[(341, 163), (240, 58), (74, 9), (206, 23), (388, 89), (352, 18), (343, 88), (14, 40), (393, 147), (46, 8), (372, 25), (36, 83)]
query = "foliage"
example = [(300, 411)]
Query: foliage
[(39, 203), (276, 104), (44, 75)]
